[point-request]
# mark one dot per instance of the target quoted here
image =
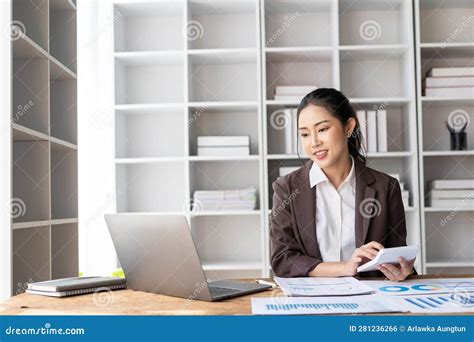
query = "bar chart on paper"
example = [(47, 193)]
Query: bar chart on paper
[(440, 303)]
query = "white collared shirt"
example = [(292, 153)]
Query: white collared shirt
[(335, 214)]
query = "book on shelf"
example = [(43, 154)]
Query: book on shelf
[(292, 140), (382, 130), (450, 92), (223, 145), (451, 184), (213, 141), (285, 170), (362, 118), (451, 202), (239, 199), (460, 81), (288, 98), (221, 151), (405, 202), (451, 193), (450, 72), (371, 131), (75, 286)]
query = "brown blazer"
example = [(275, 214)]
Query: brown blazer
[(295, 249)]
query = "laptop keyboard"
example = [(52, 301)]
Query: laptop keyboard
[(222, 291)]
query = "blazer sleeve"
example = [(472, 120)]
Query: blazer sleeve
[(396, 223), (287, 257)]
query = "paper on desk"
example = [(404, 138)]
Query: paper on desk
[(437, 303), (421, 286), (372, 303), (312, 286)]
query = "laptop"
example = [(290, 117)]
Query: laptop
[(158, 255)]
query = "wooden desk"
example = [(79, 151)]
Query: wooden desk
[(128, 302)]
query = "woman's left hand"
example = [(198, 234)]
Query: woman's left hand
[(397, 273)]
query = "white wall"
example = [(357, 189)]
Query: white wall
[(5, 150), (95, 141)]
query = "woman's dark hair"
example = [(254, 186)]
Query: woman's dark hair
[(338, 105)]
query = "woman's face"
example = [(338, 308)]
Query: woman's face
[(323, 137)]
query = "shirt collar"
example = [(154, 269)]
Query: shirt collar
[(317, 175)]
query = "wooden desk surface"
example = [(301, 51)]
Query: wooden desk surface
[(129, 302)]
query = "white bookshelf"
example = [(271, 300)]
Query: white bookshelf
[(441, 41), (221, 81), (44, 143)]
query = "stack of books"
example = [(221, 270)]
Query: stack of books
[(452, 193), (223, 145), (405, 193), (373, 125), (76, 286), (450, 82), (293, 93), (241, 199)]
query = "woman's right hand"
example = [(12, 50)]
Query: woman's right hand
[(361, 255)]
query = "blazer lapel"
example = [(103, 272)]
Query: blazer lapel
[(305, 206), (364, 200)]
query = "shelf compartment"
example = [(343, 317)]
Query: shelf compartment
[(363, 22), (155, 80), (436, 136), (447, 236), (149, 26), (447, 167), (223, 77), (32, 15), (30, 257), (211, 23), (288, 23), (274, 174), (299, 68), (374, 73), (454, 16), (147, 187), (30, 181), (400, 117), (64, 110), (64, 183), (64, 251), (62, 31), (224, 175), (150, 134), (222, 122), (31, 94), (228, 240)]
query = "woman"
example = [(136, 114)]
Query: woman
[(334, 213)]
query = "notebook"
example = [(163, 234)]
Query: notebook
[(76, 286)]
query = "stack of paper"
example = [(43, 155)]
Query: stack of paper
[(451, 193), (373, 125), (310, 286), (293, 93), (405, 193), (284, 170), (243, 199), (450, 82), (223, 145)]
